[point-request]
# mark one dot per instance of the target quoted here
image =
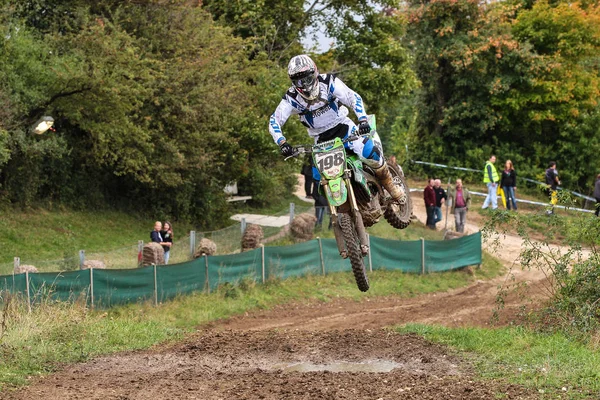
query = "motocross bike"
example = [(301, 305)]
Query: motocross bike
[(356, 199)]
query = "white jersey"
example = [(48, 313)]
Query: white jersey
[(321, 114)]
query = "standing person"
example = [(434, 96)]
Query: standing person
[(167, 235), (491, 178), (597, 194), (429, 197), (508, 182), (156, 235), (461, 201), (321, 204), (308, 177), (552, 183), (440, 198), (321, 101)]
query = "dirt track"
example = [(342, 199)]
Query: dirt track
[(291, 352)]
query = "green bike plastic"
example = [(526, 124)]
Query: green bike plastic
[(335, 190)]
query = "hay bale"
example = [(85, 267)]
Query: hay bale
[(21, 269), (96, 264), (206, 246), (252, 237), (303, 226), (153, 254)]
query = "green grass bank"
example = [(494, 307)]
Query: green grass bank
[(554, 364)]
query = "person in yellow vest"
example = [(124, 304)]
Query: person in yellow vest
[(491, 178)]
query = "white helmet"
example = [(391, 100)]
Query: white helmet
[(305, 76)]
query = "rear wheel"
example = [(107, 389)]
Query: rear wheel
[(398, 215), (354, 253)]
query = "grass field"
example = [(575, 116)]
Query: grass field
[(51, 240), (552, 363)]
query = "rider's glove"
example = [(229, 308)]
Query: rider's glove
[(364, 128), (286, 149)]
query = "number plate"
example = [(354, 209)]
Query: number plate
[(331, 164)]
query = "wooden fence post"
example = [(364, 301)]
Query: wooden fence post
[(192, 244), (262, 252), (155, 287), (28, 294), (81, 258), (92, 287), (321, 255), (422, 256), (206, 269)]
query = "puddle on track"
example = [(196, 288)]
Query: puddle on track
[(376, 366)]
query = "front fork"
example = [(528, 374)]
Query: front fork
[(350, 207)]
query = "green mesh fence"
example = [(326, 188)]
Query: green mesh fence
[(106, 288)]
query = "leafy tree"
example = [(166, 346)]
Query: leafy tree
[(520, 83)]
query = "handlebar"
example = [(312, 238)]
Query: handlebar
[(308, 148)]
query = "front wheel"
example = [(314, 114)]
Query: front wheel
[(398, 215), (354, 253)]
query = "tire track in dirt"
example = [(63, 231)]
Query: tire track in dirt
[(289, 352)]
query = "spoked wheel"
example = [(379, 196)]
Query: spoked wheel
[(354, 253), (398, 215)]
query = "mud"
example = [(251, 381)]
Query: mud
[(253, 365)]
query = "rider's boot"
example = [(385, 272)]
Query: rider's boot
[(385, 178)]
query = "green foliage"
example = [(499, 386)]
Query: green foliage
[(497, 79), (156, 107), (370, 57), (564, 248)]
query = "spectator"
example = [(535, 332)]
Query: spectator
[(167, 235), (491, 178), (156, 235), (392, 160), (460, 199), (597, 194), (552, 183), (308, 177), (440, 198), (508, 182), (429, 197), (321, 205)]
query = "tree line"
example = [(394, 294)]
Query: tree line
[(159, 103)]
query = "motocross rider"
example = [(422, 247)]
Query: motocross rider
[(321, 100)]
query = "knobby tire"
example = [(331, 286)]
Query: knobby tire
[(396, 215), (354, 253)]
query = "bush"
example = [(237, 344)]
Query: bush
[(563, 247)]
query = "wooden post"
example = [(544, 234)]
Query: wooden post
[(81, 258), (155, 287), (140, 252), (92, 287), (370, 261), (447, 206), (422, 256), (192, 244), (243, 225), (28, 295), (206, 269), (292, 211), (17, 264), (321, 255), (262, 252)]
